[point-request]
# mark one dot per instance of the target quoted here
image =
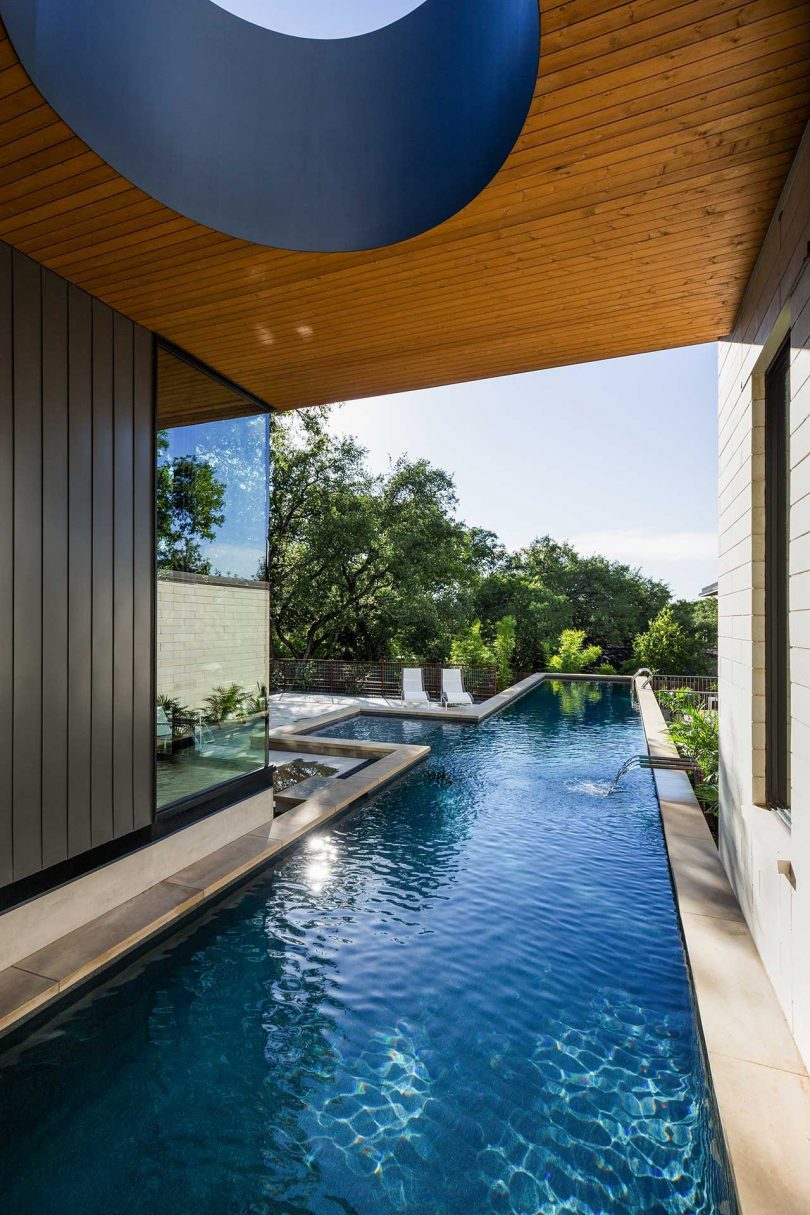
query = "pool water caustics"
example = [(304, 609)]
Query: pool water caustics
[(469, 995)]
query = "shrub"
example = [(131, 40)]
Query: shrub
[(695, 732), (573, 655), (665, 646), (469, 648), (503, 650), (223, 703)]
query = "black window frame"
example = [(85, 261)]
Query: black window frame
[(186, 810), (777, 582)]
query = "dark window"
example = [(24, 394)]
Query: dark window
[(777, 580)]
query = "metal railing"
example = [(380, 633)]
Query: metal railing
[(383, 678), (704, 687)]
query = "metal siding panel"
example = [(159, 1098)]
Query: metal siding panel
[(54, 569), (6, 566), (123, 623), (144, 580), (80, 575), (27, 730), (103, 576)]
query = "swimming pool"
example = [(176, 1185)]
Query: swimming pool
[(467, 996)]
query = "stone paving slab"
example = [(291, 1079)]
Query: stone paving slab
[(760, 1082)]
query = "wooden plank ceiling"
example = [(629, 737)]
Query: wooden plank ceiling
[(627, 219)]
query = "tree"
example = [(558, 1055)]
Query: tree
[(189, 509), (540, 614), (360, 565), (665, 646), (610, 601), (698, 619), (573, 655)]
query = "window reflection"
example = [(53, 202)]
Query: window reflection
[(212, 600)]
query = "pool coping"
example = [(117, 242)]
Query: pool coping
[(460, 714), (200, 862), (69, 960), (761, 1086), (760, 1083)]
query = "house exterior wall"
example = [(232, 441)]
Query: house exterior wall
[(76, 571), (767, 861), (210, 632)]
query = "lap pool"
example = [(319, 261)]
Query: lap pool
[(469, 995)]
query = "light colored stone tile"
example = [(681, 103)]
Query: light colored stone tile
[(224, 865), (78, 954), (765, 1114), (700, 880), (739, 1011), (21, 993)]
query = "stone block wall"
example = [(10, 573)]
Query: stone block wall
[(210, 632), (767, 861)]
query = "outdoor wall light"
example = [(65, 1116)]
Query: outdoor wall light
[(327, 144)]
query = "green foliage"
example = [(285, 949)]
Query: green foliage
[(605, 668), (695, 732), (255, 702), (363, 566), (225, 703), (573, 655), (665, 646), (469, 648), (366, 567), (610, 601), (503, 649), (189, 509), (679, 639)]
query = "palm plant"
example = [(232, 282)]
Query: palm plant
[(224, 703)]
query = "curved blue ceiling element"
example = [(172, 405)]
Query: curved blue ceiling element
[(307, 144)]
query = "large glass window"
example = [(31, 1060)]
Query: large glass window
[(212, 592), (777, 581)]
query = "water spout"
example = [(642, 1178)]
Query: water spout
[(664, 763)]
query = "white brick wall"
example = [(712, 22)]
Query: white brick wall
[(209, 634), (753, 839)]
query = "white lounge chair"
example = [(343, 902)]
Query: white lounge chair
[(453, 688), (164, 732), (413, 688)]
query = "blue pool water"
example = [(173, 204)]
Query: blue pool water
[(469, 996)]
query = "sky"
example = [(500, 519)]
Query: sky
[(321, 18), (618, 457)]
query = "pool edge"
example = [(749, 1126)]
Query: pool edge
[(761, 1087)]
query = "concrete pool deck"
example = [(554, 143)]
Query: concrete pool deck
[(760, 1082)]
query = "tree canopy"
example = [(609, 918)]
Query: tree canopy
[(369, 566), (190, 498)]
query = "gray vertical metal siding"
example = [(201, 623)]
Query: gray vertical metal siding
[(6, 567), (76, 571)]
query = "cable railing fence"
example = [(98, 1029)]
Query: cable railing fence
[(384, 678), (703, 687)]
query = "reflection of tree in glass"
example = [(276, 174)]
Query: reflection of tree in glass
[(189, 509)]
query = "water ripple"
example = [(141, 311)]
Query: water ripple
[(468, 997)]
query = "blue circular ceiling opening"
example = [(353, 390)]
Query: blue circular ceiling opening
[(320, 18), (328, 144)]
